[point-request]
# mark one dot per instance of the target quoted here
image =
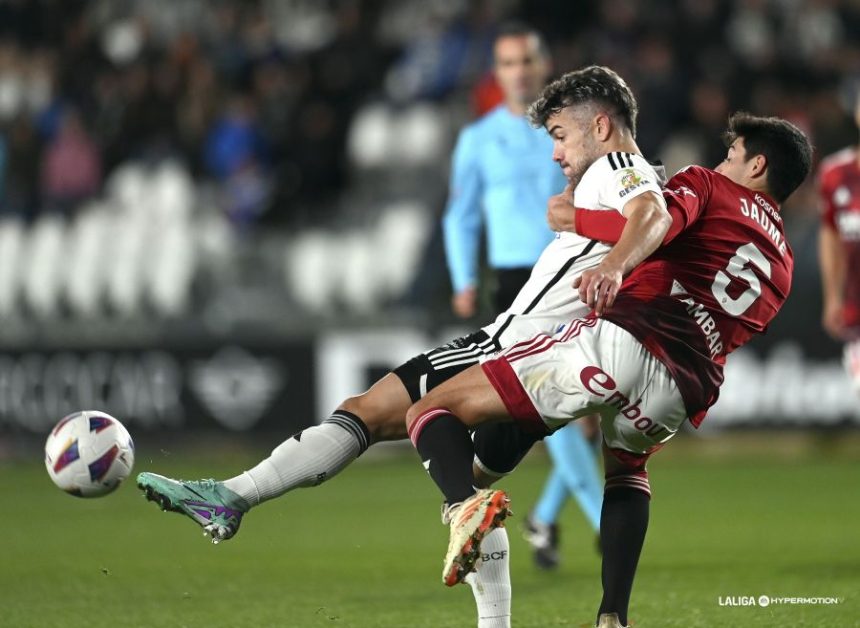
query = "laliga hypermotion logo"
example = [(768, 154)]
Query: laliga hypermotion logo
[(763, 601)]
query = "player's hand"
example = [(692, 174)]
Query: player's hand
[(560, 212), (831, 319), (465, 302), (599, 286)]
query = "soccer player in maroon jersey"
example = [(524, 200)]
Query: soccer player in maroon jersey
[(839, 250), (649, 356)]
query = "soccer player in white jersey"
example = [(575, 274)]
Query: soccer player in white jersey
[(608, 173)]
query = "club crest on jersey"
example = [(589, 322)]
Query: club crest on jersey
[(630, 181)]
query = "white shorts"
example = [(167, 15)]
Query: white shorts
[(591, 366)]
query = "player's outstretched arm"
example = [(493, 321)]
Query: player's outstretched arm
[(647, 224)]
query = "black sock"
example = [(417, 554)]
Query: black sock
[(446, 451), (623, 523)]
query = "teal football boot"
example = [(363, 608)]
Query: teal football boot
[(210, 504)]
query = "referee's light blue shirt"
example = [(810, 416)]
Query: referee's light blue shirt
[(502, 174)]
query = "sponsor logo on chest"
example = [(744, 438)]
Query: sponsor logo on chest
[(706, 323)]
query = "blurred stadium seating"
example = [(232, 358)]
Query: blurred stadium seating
[(185, 177)]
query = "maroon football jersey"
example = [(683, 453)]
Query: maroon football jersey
[(839, 186), (704, 294)]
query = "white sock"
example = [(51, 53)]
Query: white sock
[(307, 459), (491, 581)]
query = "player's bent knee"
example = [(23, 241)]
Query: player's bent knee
[(414, 413), (383, 418)]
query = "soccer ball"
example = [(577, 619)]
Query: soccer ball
[(89, 453)]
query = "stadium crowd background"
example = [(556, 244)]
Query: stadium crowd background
[(280, 166)]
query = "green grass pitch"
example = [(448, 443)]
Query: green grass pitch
[(365, 549)]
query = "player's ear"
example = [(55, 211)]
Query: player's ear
[(758, 167), (603, 126)]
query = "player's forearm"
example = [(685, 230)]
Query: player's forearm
[(643, 233), (599, 224), (607, 226), (831, 258)]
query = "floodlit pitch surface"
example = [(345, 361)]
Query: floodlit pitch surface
[(731, 521)]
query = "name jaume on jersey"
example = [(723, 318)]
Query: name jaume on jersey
[(764, 214), (761, 212)]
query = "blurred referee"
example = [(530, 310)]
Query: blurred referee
[(502, 174)]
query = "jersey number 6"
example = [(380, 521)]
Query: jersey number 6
[(738, 269)]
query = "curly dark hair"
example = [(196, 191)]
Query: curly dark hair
[(594, 84), (786, 148)]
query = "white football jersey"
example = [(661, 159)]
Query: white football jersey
[(548, 299)]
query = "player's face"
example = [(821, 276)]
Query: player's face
[(735, 165), (574, 146), (521, 69)]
